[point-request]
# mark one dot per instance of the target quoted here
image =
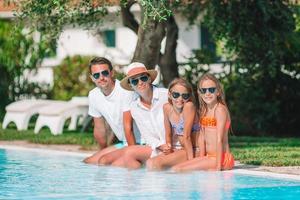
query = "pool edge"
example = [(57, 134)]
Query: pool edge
[(82, 154), (44, 150)]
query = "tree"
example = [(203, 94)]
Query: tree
[(157, 22), (18, 51), (263, 38)]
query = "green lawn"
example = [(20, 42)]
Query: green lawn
[(86, 140), (267, 151)]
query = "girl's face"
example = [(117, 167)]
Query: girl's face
[(208, 92), (179, 95)]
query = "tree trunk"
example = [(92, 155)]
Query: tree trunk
[(148, 46), (168, 62), (128, 18), (149, 43)]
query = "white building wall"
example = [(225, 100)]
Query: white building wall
[(126, 41), (78, 42), (190, 36)]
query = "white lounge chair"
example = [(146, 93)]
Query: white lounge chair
[(55, 115), (21, 111)]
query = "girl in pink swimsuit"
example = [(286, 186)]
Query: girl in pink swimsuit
[(215, 123), (181, 126)]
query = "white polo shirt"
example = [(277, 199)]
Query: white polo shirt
[(111, 108), (150, 122)]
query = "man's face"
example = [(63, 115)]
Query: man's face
[(102, 76), (140, 82)]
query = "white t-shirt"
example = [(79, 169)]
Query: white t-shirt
[(111, 108), (150, 122)]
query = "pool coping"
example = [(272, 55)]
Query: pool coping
[(237, 170), (267, 174), (43, 150)]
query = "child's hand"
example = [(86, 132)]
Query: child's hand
[(165, 148)]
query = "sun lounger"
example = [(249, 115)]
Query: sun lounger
[(55, 115), (20, 112)]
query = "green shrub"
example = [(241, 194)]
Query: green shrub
[(71, 78), (262, 100), (19, 51), (262, 42)]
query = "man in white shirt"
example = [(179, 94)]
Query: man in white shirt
[(147, 111), (106, 103)]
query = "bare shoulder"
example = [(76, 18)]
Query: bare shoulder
[(189, 106), (167, 107), (221, 110)]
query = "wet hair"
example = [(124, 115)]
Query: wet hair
[(220, 90), (100, 60), (184, 83)]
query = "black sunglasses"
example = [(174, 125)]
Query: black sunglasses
[(104, 73), (184, 96), (135, 81), (204, 90)]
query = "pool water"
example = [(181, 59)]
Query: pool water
[(46, 175)]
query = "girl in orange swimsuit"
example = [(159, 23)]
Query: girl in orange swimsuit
[(215, 123), (181, 126)]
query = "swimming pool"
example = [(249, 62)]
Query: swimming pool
[(40, 174)]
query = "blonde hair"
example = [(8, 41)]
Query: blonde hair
[(184, 83), (220, 90)]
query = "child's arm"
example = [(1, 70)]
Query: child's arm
[(167, 149), (189, 113), (201, 143), (221, 116), (127, 124)]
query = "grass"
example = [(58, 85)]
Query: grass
[(85, 139), (267, 151)]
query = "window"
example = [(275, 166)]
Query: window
[(207, 43), (109, 38)]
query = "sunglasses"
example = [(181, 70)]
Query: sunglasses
[(104, 73), (185, 96), (210, 90), (135, 81)]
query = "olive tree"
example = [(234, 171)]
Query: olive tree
[(157, 22)]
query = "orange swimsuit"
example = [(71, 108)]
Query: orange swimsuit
[(227, 160), (212, 122)]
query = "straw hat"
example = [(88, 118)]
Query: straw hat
[(135, 69)]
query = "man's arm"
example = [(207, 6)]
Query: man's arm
[(128, 128), (100, 131)]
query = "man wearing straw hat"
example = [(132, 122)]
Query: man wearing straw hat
[(106, 102), (146, 110)]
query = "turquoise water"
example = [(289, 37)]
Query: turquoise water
[(43, 175)]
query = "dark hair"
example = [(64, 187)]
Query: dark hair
[(100, 60), (184, 83)]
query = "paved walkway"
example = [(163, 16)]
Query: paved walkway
[(294, 170)]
